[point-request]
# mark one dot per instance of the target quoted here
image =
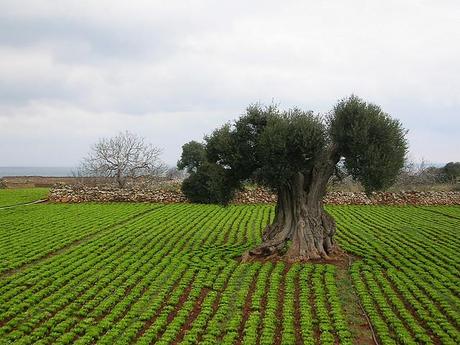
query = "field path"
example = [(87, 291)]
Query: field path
[(24, 204)]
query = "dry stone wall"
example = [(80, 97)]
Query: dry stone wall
[(78, 194), (393, 198)]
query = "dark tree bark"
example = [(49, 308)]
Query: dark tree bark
[(301, 230)]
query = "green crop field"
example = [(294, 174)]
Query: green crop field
[(169, 274)]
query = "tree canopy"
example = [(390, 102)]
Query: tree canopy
[(271, 146)]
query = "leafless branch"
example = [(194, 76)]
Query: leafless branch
[(122, 157)]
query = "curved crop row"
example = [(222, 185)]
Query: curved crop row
[(169, 274)]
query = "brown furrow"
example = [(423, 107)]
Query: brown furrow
[(280, 306), (171, 315), (192, 316), (247, 308), (215, 306), (377, 308), (263, 304), (329, 311), (409, 308), (312, 299), (297, 316)]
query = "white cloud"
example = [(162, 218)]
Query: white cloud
[(81, 70), (62, 134)]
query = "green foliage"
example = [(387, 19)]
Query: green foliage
[(452, 170), (270, 147), (193, 156), (373, 144), (290, 143), (208, 185), (219, 146)]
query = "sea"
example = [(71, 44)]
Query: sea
[(36, 171)]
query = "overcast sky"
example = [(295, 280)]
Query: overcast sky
[(75, 71)]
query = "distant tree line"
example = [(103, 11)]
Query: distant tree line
[(127, 157), (425, 174), (412, 176)]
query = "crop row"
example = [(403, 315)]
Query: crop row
[(121, 285), (168, 275), (162, 276), (30, 233), (408, 278)]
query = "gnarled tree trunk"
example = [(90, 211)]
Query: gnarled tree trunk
[(301, 230)]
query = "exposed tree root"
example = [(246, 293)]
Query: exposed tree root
[(302, 230), (337, 257), (297, 236)]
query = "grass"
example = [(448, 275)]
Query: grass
[(168, 274), (9, 197)]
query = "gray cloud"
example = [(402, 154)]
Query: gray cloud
[(79, 71)]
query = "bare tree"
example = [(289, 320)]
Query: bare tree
[(123, 157)]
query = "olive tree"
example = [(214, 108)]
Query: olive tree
[(295, 153), (123, 157)]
